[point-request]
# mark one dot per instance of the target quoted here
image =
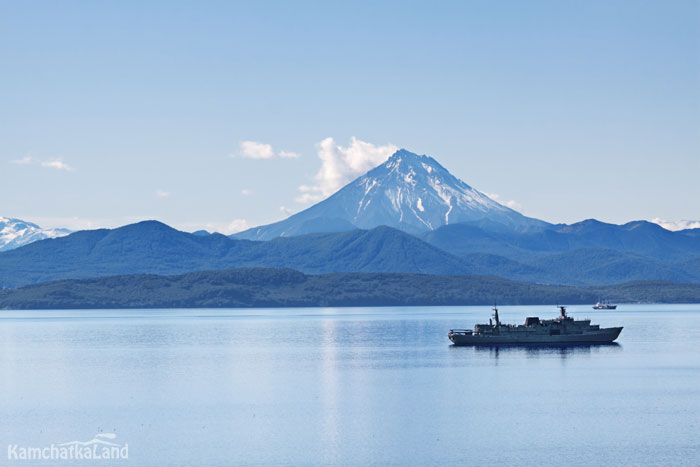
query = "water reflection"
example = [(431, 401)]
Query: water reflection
[(536, 350)]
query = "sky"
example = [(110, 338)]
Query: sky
[(224, 115)]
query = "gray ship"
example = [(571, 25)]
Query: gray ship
[(561, 330)]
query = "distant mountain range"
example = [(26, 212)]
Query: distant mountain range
[(408, 215), (639, 238), (151, 247), (154, 248), (15, 233)]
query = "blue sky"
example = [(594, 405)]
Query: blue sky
[(117, 111)]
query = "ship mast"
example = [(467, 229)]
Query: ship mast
[(562, 311), (495, 315)]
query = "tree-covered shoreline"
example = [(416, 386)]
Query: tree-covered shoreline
[(271, 287)]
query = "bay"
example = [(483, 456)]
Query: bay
[(349, 386)]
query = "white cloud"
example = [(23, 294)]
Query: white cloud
[(285, 210), (246, 192), (26, 160), (236, 225), (510, 203), (162, 193), (288, 155), (55, 163), (677, 225), (309, 194), (226, 228), (256, 150), (340, 165)]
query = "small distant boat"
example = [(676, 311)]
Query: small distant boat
[(604, 305)]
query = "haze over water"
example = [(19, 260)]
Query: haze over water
[(360, 386)]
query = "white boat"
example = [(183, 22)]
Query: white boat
[(604, 305)]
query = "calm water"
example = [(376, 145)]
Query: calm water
[(349, 387)]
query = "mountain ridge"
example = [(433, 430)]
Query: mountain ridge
[(151, 247)]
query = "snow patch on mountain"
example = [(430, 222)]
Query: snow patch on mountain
[(15, 233)]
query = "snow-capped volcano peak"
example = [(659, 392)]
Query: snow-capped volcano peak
[(409, 192), (15, 233), (423, 194)]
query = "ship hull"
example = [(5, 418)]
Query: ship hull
[(602, 336)]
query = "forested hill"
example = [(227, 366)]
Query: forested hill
[(577, 258), (267, 287)]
